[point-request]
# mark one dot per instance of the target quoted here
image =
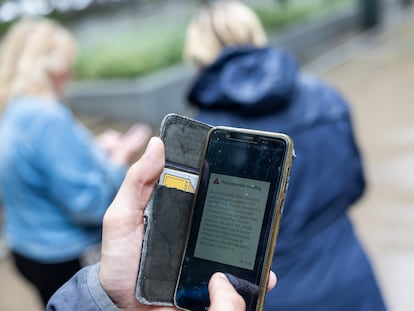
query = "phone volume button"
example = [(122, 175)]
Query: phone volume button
[(283, 207), (145, 223), (285, 192), (288, 179)]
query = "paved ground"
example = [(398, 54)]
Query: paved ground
[(376, 74)]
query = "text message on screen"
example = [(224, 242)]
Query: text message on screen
[(232, 220)]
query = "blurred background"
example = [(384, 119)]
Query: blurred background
[(129, 69)]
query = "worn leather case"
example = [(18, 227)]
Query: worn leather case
[(168, 213)]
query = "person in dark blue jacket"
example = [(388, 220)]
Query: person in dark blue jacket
[(243, 82)]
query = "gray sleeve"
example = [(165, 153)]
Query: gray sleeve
[(82, 292)]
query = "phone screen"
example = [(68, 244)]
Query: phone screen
[(233, 213)]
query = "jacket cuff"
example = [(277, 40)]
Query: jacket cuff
[(99, 295)]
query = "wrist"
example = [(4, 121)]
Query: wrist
[(99, 294), (122, 297)]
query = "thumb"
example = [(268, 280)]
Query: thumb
[(141, 177), (223, 296), (123, 225)]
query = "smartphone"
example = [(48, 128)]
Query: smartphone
[(236, 214)]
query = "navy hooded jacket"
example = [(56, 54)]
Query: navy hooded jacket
[(319, 261)]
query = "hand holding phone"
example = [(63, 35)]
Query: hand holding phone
[(236, 214)]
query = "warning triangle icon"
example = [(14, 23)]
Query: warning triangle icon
[(216, 181)]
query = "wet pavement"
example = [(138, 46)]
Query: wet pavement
[(375, 72)]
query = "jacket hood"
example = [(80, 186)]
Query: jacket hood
[(247, 79)]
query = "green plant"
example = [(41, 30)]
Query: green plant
[(130, 55), (274, 17)]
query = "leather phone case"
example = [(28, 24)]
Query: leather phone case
[(168, 213)]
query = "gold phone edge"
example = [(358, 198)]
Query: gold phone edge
[(276, 223)]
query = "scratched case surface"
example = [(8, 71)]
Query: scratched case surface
[(169, 209)]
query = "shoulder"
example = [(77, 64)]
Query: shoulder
[(49, 109), (319, 99), (39, 114), (32, 121), (33, 111)]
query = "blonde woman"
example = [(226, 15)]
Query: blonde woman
[(56, 179), (243, 82)]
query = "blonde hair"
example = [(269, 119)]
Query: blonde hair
[(221, 24), (12, 46), (47, 49)]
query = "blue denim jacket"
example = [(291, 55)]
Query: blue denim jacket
[(56, 183)]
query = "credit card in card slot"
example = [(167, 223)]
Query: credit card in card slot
[(178, 179)]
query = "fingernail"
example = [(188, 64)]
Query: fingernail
[(150, 145), (221, 275)]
